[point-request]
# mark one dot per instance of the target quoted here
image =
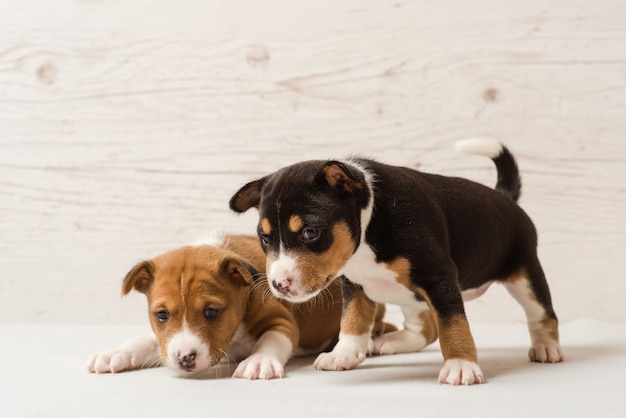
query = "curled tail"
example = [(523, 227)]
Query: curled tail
[(509, 181)]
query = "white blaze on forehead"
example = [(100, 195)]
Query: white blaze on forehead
[(182, 291)]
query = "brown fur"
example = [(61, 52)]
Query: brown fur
[(381, 327), (402, 267), (359, 314), (211, 277), (335, 176), (314, 267), (430, 330), (222, 278), (456, 340)]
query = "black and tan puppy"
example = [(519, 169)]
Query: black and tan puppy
[(421, 241)]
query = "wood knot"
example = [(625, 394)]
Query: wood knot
[(258, 56), (47, 73), (491, 95)]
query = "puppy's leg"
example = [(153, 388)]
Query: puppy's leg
[(441, 292), (136, 353), (530, 289), (420, 329), (459, 352), (268, 357), (357, 321), (380, 326)]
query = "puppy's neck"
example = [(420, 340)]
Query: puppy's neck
[(367, 211)]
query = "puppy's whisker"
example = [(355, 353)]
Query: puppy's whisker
[(224, 360), (298, 306), (263, 287), (255, 286), (267, 294), (328, 297), (260, 279), (152, 361)]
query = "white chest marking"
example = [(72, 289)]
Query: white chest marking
[(379, 283)]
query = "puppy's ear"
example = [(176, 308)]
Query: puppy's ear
[(248, 196), (342, 177), (239, 270), (139, 278)]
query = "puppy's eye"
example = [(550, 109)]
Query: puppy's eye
[(211, 313), (310, 234), (162, 315), (265, 239)]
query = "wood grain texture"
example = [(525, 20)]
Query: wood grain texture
[(125, 126)]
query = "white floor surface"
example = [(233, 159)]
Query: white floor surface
[(43, 375)]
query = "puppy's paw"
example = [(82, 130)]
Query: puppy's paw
[(259, 366), (403, 341), (342, 360), (549, 352), (460, 372), (112, 361)]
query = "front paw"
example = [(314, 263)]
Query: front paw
[(112, 361), (259, 366), (460, 372), (349, 352), (338, 360)]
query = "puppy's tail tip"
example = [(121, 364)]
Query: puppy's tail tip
[(509, 181), (480, 146)]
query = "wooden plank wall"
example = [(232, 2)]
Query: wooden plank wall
[(125, 126)]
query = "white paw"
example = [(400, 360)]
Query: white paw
[(259, 366), (549, 352), (339, 360), (112, 361), (460, 372), (349, 352), (333, 361), (403, 341)]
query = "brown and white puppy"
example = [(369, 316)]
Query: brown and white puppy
[(421, 241), (205, 305)]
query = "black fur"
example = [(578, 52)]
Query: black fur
[(451, 228), (456, 233)]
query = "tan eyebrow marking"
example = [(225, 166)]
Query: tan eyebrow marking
[(265, 226), (295, 223)]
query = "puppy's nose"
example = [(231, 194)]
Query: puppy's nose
[(187, 361), (189, 358), (283, 285)]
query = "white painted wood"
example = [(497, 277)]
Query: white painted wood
[(125, 126)]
